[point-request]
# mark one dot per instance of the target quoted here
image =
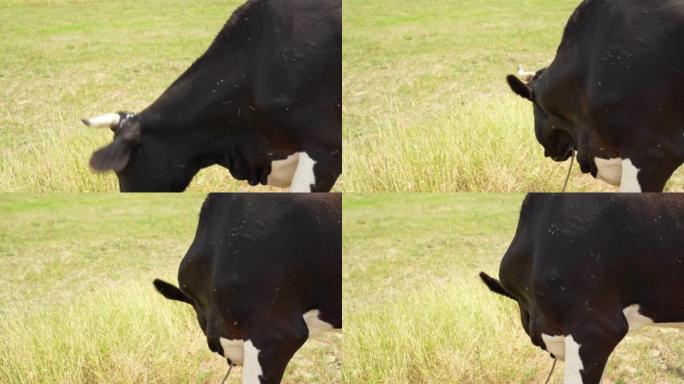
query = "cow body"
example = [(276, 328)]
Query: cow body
[(615, 92), (268, 91), (263, 274), (587, 269)]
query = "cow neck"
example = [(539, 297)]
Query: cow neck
[(214, 91)]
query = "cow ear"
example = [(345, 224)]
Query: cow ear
[(520, 88), (115, 156), (494, 285), (170, 291)]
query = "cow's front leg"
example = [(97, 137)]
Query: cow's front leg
[(643, 173), (269, 349), (647, 166), (588, 348)]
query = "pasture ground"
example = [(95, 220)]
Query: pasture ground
[(77, 304), (426, 104), (416, 312), (63, 60)]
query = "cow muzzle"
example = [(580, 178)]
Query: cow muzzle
[(560, 155), (560, 147)]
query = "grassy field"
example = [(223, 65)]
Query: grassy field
[(77, 303), (416, 311), (426, 104), (64, 60)]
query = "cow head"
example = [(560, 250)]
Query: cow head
[(141, 160), (527, 317), (208, 326), (551, 130)]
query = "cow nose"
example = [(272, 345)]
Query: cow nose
[(546, 153)]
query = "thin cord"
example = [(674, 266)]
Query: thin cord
[(230, 368), (567, 178), (551, 373)]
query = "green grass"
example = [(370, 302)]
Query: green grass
[(61, 61), (77, 303), (426, 104), (416, 312)]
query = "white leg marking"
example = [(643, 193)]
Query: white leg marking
[(233, 350), (609, 170), (630, 182), (315, 325), (573, 362), (252, 369), (636, 320), (555, 345), (283, 171), (108, 120), (304, 177)]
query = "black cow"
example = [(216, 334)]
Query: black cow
[(264, 101), (263, 274), (587, 269), (615, 92)]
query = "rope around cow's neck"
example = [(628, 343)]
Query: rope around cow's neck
[(551, 373), (567, 178), (230, 368)]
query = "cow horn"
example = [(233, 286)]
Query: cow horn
[(525, 75), (109, 120)]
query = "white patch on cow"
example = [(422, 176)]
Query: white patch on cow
[(233, 350), (304, 176), (618, 172), (315, 325), (636, 320), (630, 181), (609, 170), (555, 345), (573, 362), (108, 120), (565, 348), (283, 171), (251, 370)]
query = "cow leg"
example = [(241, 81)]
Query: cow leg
[(646, 174), (588, 348), (328, 169), (269, 349), (647, 168)]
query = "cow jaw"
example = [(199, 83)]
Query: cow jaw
[(283, 171), (315, 325), (233, 349), (618, 172), (609, 170), (565, 348), (555, 345)]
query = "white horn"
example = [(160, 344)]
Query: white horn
[(525, 75), (109, 120)]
